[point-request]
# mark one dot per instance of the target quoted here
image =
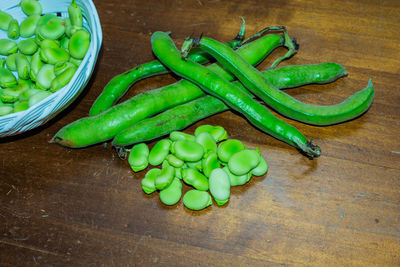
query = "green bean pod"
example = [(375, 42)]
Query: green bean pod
[(172, 193), (79, 44), (287, 105), (27, 46), (23, 66), (196, 199), (27, 28), (13, 29), (91, 130), (31, 7), (8, 47), (62, 79), (256, 113), (119, 85), (159, 152), (5, 20), (138, 157), (7, 78)]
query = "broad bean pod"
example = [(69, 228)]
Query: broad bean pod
[(119, 85), (94, 129), (285, 104)]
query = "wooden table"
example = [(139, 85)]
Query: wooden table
[(73, 207)]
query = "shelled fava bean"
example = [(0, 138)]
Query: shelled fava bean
[(207, 161), (40, 55)]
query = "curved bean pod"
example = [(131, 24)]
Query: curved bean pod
[(285, 104), (119, 85), (94, 129), (256, 113)]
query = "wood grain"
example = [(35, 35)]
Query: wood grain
[(85, 207)]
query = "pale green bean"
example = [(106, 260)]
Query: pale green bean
[(45, 76), (172, 193), (8, 47), (13, 29), (196, 199), (28, 46), (148, 182), (195, 178), (227, 148), (138, 157), (159, 152), (243, 161), (220, 187), (27, 28), (31, 7), (209, 163)]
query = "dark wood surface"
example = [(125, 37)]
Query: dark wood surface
[(73, 207)]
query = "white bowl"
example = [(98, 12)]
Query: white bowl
[(40, 113)]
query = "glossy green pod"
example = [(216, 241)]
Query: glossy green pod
[(217, 132), (165, 177), (5, 20), (13, 29), (8, 47), (159, 152), (243, 161), (31, 7), (196, 199), (195, 178), (45, 76), (220, 187), (138, 157), (53, 55), (7, 78), (148, 182), (23, 66), (27, 28), (62, 79), (27, 46), (79, 44), (227, 148), (36, 98), (172, 193)]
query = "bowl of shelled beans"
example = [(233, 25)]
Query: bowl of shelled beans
[(48, 50)]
